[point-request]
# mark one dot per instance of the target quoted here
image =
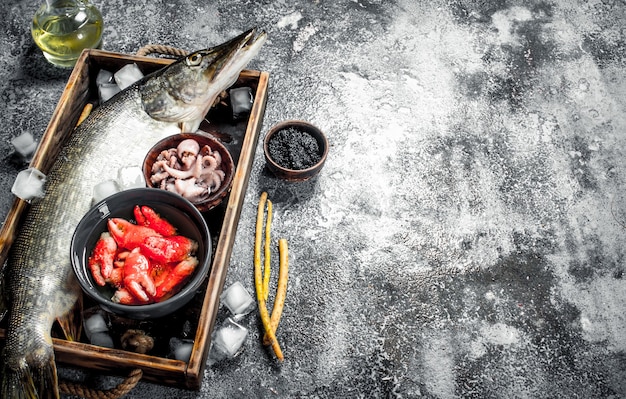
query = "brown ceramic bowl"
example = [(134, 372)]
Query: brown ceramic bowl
[(295, 150), (227, 165)]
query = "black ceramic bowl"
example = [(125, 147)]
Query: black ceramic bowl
[(295, 150), (181, 213), (227, 164)]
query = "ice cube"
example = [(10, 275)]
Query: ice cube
[(104, 76), (187, 329), (101, 339), (241, 101), (174, 343), (95, 324), (130, 177), (107, 90), (215, 355), (104, 189), (237, 299), (230, 337), (180, 349), (127, 75), (24, 144), (29, 184), (183, 352)]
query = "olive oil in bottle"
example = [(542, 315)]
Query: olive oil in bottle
[(63, 28)]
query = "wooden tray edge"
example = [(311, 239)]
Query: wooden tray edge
[(224, 248)]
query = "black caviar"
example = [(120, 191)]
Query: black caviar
[(294, 149)]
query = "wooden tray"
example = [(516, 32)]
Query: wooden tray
[(80, 90)]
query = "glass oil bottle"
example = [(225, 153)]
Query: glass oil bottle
[(63, 28)]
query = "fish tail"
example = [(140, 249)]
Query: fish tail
[(24, 383), (47, 381)]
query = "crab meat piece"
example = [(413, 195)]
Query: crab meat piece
[(124, 297), (117, 277), (168, 249), (160, 272), (128, 235), (146, 216), (102, 258), (121, 257), (175, 277), (137, 278)]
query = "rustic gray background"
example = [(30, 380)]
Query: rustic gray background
[(466, 236)]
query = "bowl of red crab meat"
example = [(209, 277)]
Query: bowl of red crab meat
[(142, 253), (196, 166)]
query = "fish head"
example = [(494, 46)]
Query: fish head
[(184, 91)]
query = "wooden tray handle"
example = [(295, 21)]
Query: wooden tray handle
[(124, 387), (159, 49)]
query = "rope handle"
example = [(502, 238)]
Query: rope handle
[(163, 50), (124, 387)]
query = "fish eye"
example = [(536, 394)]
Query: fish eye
[(194, 59)]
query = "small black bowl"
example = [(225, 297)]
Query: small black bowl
[(181, 213), (290, 147)]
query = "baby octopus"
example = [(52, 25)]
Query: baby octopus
[(188, 170)]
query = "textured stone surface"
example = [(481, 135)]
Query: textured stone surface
[(465, 238)]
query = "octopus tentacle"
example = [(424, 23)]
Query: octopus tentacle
[(209, 162), (179, 174)]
